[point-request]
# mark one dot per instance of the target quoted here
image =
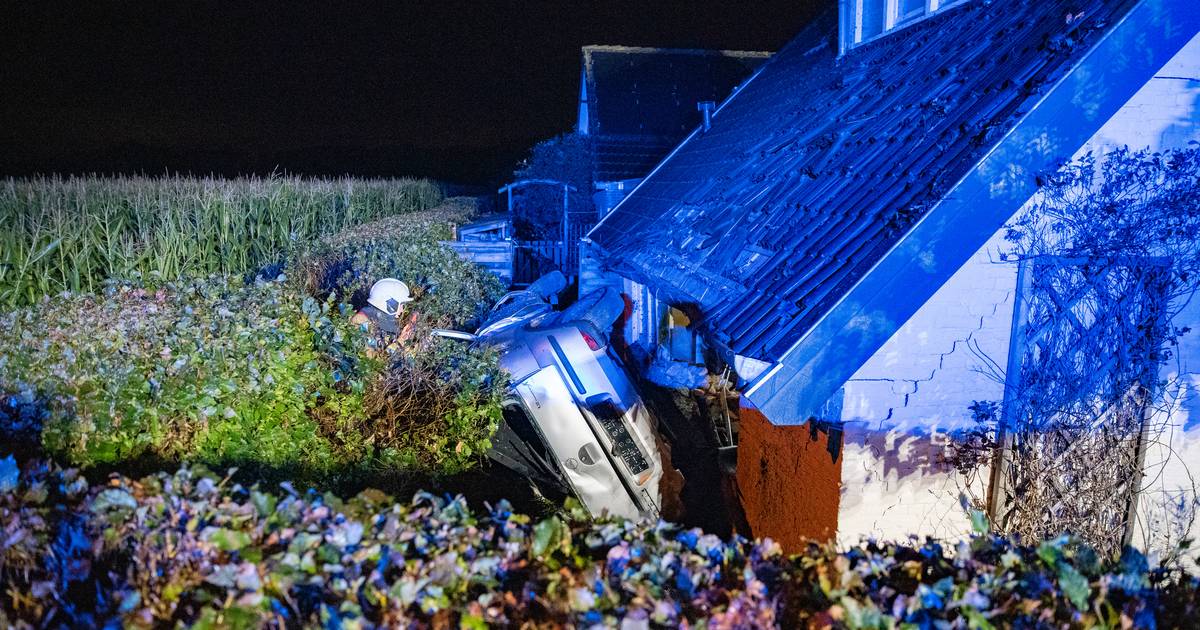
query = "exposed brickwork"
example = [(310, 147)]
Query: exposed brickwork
[(789, 480)]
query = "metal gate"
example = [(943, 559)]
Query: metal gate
[(533, 259), (1083, 363)]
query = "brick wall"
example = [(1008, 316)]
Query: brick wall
[(788, 479)]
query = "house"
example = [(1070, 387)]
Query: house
[(636, 104), (835, 233)]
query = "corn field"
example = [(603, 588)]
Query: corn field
[(71, 234)]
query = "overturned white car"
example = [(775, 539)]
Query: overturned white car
[(574, 421)]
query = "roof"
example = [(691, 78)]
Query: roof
[(494, 221), (642, 101), (817, 173)]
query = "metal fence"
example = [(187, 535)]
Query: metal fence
[(533, 259)]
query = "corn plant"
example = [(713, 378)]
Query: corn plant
[(74, 233), (229, 370)]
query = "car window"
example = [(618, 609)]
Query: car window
[(522, 448), (521, 423)]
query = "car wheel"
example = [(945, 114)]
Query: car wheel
[(600, 308)]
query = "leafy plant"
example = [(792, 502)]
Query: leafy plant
[(538, 209), (191, 548), (261, 373), (1109, 252), (437, 403)]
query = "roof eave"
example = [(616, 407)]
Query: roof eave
[(829, 353)]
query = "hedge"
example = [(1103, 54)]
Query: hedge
[(195, 549), (264, 370)]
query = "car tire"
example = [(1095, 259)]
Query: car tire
[(600, 308)]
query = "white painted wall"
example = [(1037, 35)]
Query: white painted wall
[(902, 407), (1166, 113), (911, 397)]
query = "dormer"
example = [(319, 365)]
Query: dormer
[(862, 21)]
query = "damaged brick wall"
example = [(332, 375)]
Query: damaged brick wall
[(789, 478)]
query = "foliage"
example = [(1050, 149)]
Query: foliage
[(449, 290), (1134, 204), (438, 403), (258, 374), (1112, 240), (438, 406), (72, 234), (216, 370), (973, 449), (538, 209), (191, 548), (1134, 209)]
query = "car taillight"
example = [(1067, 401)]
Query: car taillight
[(590, 341)]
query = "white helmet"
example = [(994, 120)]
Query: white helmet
[(389, 295)]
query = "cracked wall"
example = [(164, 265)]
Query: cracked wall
[(908, 401), (903, 407)]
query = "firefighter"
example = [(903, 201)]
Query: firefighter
[(384, 314)]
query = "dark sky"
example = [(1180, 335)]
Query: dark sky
[(453, 89)]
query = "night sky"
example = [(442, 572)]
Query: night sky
[(456, 90)]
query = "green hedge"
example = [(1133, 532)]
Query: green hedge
[(72, 234), (262, 373), (451, 291), (194, 549), (215, 369)]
